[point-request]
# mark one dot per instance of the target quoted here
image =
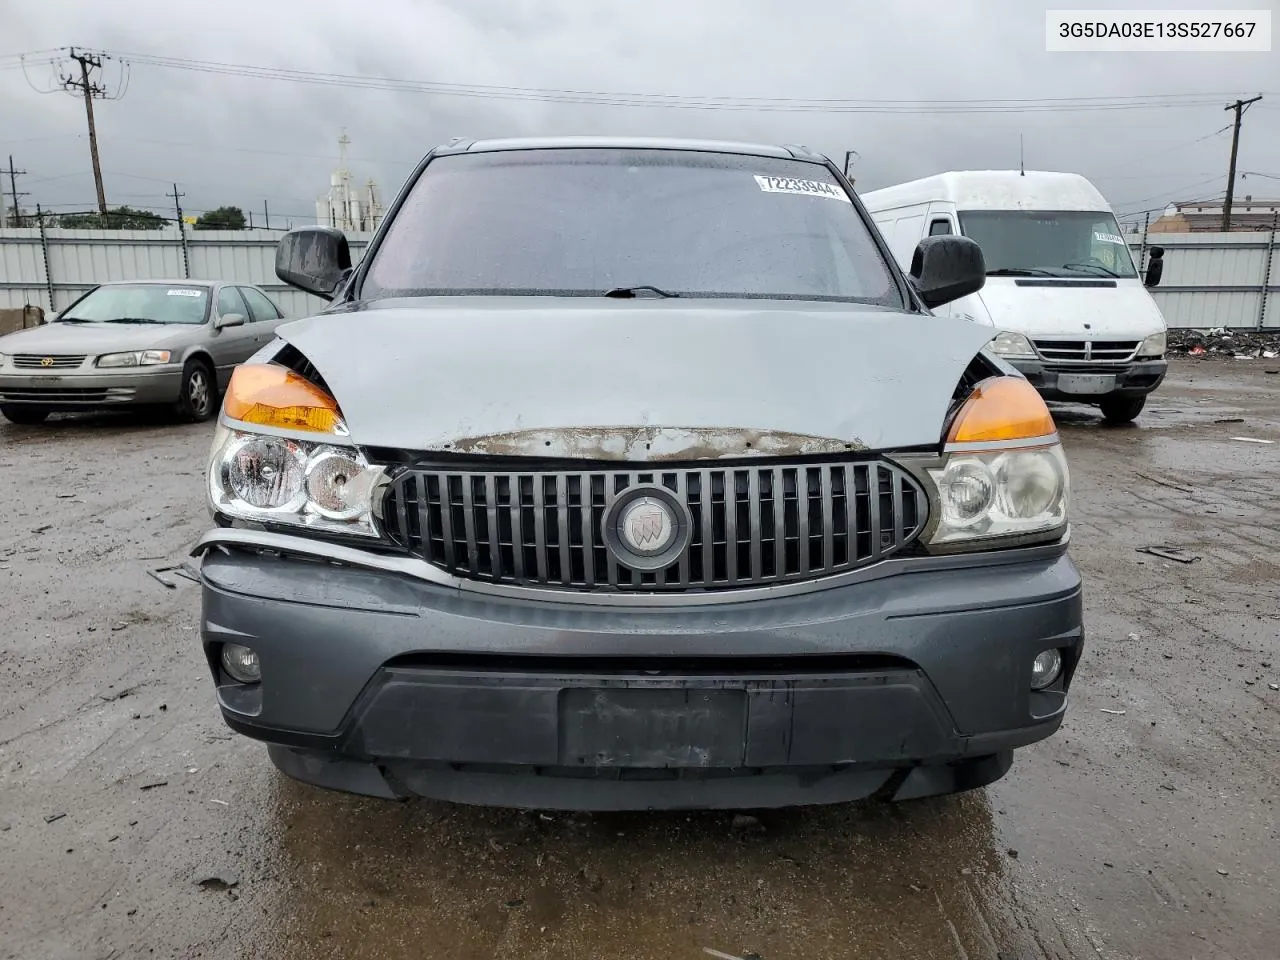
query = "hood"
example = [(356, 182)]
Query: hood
[(1123, 312), (637, 379), (95, 338)]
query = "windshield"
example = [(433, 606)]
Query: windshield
[(580, 222), (1053, 243), (141, 303)]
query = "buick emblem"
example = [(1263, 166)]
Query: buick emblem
[(647, 526)]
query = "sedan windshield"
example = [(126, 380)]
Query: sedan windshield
[(141, 303), (1057, 243), (586, 222)]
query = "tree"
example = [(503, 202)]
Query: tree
[(121, 218), (224, 218)]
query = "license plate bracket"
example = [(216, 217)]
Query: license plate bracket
[(652, 727), (1086, 384)]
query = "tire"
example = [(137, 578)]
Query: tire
[(1122, 409), (27, 416), (198, 400)]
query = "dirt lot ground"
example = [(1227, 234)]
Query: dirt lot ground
[(132, 823)]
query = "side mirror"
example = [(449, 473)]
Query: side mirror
[(230, 320), (313, 259), (1155, 269), (946, 268)]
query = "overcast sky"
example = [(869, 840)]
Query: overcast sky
[(236, 140)]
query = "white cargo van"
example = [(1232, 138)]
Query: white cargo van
[(1062, 293)]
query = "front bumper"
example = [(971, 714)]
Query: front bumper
[(380, 683), (72, 390), (1134, 379)]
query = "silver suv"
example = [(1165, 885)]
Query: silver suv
[(634, 474)]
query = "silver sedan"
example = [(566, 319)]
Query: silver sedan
[(156, 342)]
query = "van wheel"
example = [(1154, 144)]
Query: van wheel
[(27, 416), (198, 400), (1121, 409)]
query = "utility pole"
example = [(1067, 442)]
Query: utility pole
[(182, 230), (1240, 106), (266, 214), (91, 90), (15, 219)]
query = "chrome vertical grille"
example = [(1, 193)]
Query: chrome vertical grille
[(751, 525)]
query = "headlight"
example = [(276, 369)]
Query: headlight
[(1154, 345), (1010, 344), (1002, 475), (1000, 493), (282, 480), (139, 358)]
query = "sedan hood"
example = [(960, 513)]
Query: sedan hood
[(94, 339), (637, 379)]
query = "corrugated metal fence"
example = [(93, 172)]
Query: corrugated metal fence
[(1216, 279), (1210, 279), (52, 267)]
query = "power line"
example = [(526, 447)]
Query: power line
[(609, 98)]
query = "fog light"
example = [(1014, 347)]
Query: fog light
[(242, 663), (1044, 670)]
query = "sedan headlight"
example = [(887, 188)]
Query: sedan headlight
[(282, 480), (1154, 346), (138, 358), (1012, 345)]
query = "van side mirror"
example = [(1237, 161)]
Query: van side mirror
[(1155, 269), (313, 259), (946, 268)]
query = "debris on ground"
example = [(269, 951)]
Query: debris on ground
[(152, 784), (1223, 344), (217, 883), (1170, 553), (1273, 686), (52, 817), (1229, 420), (1115, 713), (1252, 440), (745, 823)]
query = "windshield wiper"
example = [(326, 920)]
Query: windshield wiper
[(1020, 272), (627, 293), (1106, 271), (132, 320), (74, 320)]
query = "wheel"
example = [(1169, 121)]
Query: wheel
[(28, 416), (198, 399), (1121, 409)]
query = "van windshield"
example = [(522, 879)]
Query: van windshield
[(581, 222), (1056, 243)]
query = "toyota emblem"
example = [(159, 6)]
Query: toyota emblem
[(47, 362)]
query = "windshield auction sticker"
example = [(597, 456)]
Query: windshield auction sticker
[(804, 188), (184, 293)]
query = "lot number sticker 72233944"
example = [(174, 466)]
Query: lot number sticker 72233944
[(805, 188)]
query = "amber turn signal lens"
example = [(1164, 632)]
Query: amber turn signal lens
[(271, 395), (1002, 408)]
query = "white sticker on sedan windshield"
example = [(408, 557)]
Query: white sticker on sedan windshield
[(1107, 238), (184, 293), (805, 188)]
